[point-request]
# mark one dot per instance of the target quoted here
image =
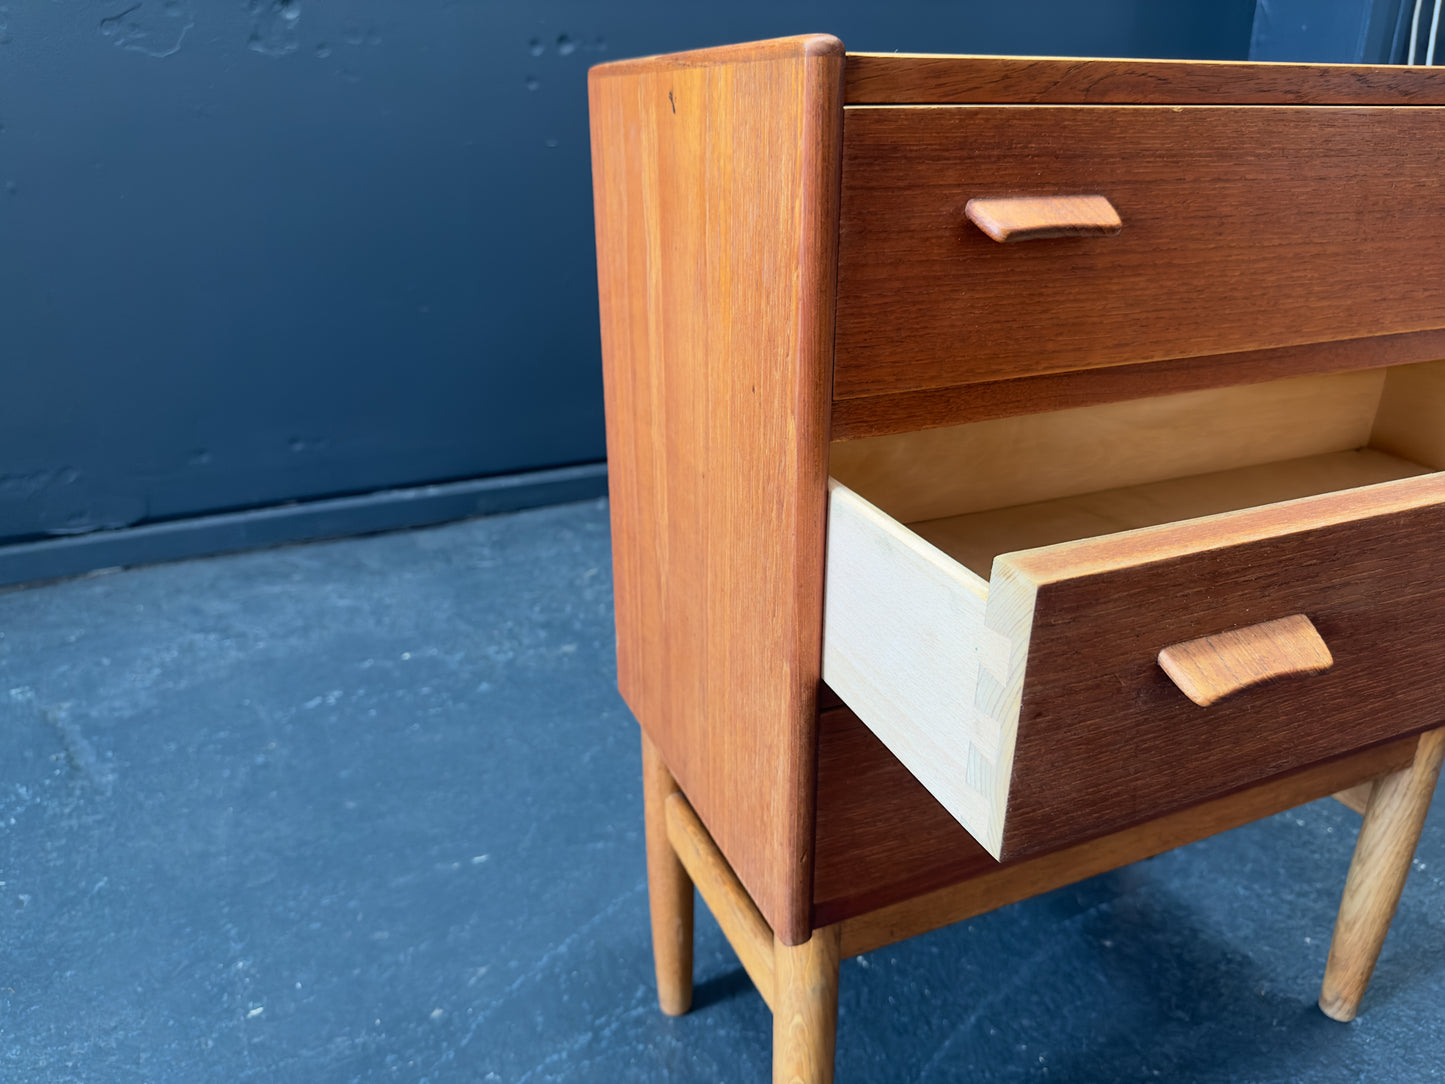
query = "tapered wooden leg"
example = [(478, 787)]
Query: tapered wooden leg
[(1393, 818), (805, 1008), (669, 890)]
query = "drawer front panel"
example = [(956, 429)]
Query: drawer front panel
[(1105, 735), (1244, 228)]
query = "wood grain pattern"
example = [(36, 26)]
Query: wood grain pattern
[(805, 1018), (903, 79), (669, 890), (1035, 457), (715, 181), (903, 412), (1338, 198), (1100, 726), (736, 914), (1386, 845), (1210, 668), (1016, 219), (891, 864)]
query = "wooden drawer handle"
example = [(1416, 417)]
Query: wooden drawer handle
[(1213, 667), (1028, 218)]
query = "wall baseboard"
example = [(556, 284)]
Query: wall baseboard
[(307, 521)]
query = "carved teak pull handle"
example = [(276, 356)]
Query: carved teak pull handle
[(1028, 218), (1213, 667)]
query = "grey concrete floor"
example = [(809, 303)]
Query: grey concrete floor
[(369, 810)]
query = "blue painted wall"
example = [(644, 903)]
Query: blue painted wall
[(1337, 32), (258, 251)]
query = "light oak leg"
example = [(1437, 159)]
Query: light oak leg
[(805, 1010), (669, 890), (1391, 828)]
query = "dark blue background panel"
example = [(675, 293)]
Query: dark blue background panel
[(266, 251), (251, 258), (1340, 32)]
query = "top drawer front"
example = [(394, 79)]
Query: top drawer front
[(1244, 228)]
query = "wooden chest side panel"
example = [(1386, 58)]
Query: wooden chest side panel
[(715, 178)]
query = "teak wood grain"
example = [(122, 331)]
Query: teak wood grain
[(901, 79), (1101, 728), (1322, 232), (715, 179)]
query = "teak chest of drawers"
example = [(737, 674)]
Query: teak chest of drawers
[(1018, 468)]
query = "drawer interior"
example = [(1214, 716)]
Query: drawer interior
[(979, 490)]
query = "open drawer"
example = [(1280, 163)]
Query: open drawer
[(998, 594)]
